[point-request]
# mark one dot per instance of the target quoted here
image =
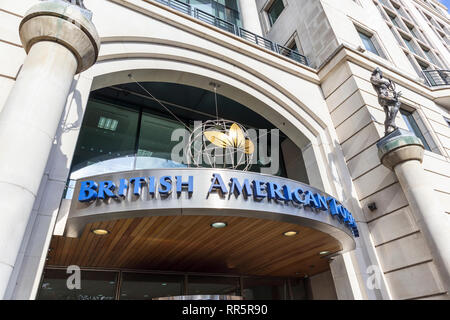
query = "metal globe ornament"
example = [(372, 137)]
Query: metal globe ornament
[(220, 144)]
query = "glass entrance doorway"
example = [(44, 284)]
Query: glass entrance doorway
[(140, 285)]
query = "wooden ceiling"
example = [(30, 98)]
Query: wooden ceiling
[(189, 244)]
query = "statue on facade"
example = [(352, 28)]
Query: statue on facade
[(387, 98)]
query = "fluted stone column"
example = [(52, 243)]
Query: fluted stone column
[(403, 152), (60, 41), (250, 16)]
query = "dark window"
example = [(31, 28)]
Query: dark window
[(141, 286), (394, 20), (422, 65), (265, 289), (108, 132), (224, 9), (154, 143), (409, 44), (448, 121), (275, 10), (293, 47), (429, 55), (368, 43), (198, 285), (95, 285), (413, 127), (103, 285), (137, 134), (411, 29)]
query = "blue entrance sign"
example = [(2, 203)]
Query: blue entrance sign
[(257, 189)]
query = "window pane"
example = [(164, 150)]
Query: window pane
[(413, 127), (227, 10), (224, 9), (293, 47), (155, 145), (213, 285), (409, 45), (429, 55), (264, 289), (422, 66), (394, 21), (108, 132), (413, 33), (275, 10), (137, 286), (94, 286), (368, 44), (204, 5), (298, 288), (448, 121)]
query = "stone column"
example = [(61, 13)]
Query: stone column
[(250, 16), (402, 152), (61, 41)]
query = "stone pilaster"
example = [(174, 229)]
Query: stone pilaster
[(250, 16), (402, 152)]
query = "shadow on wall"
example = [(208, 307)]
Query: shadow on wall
[(51, 191)]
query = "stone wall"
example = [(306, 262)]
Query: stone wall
[(306, 19), (401, 248)]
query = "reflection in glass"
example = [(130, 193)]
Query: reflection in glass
[(368, 43), (264, 289), (413, 127), (155, 142), (213, 285), (224, 9), (142, 286), (410, 45), (275, 11), (95, 285), (298, 289), (103, 285), (108, 132), (132, 133)]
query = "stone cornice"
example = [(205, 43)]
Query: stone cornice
[(435, 12), (346, 53)]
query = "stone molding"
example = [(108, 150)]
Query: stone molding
[(398, 147), (65, 24)]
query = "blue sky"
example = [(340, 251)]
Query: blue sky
[(446, 3)]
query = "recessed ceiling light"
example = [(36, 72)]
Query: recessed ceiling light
[(290, 233), (322, 253), (219, 225), (100, 232)]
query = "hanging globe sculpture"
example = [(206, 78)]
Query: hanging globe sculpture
[(220, 144)]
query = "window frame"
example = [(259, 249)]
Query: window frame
[(447, 120), (373, 38), (270, 6), (426, 134)]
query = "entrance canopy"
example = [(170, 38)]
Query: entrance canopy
[(163, 219), (246, 246)]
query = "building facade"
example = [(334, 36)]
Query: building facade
[(107, 106)]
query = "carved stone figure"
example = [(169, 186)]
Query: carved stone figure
[(387, 98)]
